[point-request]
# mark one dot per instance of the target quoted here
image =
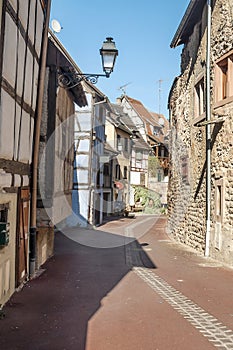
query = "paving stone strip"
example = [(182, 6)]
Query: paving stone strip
[(209, 326), (218, 334)]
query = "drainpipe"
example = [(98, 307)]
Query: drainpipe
[(208, 132), (32, 241)]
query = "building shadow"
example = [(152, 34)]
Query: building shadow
[(53, 310), (217, 128)]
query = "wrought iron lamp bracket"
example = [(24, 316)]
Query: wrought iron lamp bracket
[(71, 78)]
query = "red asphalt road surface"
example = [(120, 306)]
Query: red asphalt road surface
[(91, 299)]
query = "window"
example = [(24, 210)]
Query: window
[(125, 172), (199, 98), (219, 200), (4, 208), (156, 131), (126, 145), (138, 155), (159, 175), (142, 179), (119, 144), (219, 212), (224, 78), (118, 172), (106, 169)]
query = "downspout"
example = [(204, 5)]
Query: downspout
[(32, 241), (208, 131), (91, 212)]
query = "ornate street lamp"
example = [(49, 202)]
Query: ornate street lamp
[(70, 78), (108, 53)]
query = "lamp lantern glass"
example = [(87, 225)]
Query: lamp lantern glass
[(108, 53)]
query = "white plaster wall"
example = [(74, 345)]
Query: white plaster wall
[(14, 4), (21, 56), (84, 145), (82, 121), (35, 84), (17, 180), (39, 26), (82, 176), (25, 180), (110, 133), (82, 160), (25, 138), (7, 126), (84, 203), (31, 133), (135, 178), (5, 179), (135, 118), (28, 78), (32, 20), (17, 122), (9, 59), (23, 13)]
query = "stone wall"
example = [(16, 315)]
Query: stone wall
[(187, 182)]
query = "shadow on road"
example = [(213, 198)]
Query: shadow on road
[(52, 311)]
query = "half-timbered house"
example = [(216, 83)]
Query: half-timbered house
[(23, 24)]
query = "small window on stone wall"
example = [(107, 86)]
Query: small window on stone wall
[(125, 172), (185, 169), (199, 98), (219, 200), (224, 78)]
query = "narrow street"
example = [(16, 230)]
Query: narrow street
[(146, 294)]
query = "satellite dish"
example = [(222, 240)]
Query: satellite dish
[(161, 121), (56, 26)]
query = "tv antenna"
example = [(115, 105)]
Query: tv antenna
[(56, 27), (123, 88)]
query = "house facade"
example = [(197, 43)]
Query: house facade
[(158, 161), (153, 131), (201, 118), (118, 130), (88, 190), (22, 25), (55, 185)]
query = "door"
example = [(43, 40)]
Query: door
[(22, 236)]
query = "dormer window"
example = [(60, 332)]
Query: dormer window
[(156, 131)]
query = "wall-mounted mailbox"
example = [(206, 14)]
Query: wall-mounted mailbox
[(4, 234)]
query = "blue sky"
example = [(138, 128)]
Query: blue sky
[(142, 31)]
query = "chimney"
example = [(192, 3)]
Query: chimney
[(118, 100)]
